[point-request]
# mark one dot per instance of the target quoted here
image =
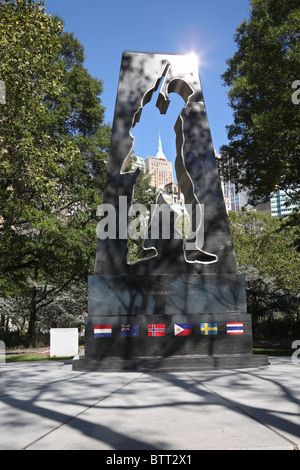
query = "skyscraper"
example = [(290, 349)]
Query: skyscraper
[(160, 170), (234, 201), (280, 204)]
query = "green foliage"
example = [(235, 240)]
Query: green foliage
[(267, 255), (54, 148), (16, 339), (35, 357), (146, 195), (262, 156), (56, 307), (263, 150), (274, 310), (263, 241)]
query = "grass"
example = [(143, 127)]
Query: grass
[(38, 357), (35, 357), (273, 351)]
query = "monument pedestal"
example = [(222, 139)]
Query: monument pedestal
[(169, 364), (167, 322)]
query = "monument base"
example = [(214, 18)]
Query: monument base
[(169, 364), (167, 322)]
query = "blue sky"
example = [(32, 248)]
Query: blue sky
[(107, 28)]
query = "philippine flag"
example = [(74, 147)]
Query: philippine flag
[(234, 328), (182, 329), (102, 331), (156, 329)]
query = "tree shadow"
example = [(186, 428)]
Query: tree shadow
[(32, 396)]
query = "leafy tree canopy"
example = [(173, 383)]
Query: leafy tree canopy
[(264, 141), (53, 149), (266, 244)]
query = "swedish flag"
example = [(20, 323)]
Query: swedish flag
[(209, 329)]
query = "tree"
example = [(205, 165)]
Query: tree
[(274, 311), (143, 194), (263, 242), (267, 256), (53, 156), (264, 142)]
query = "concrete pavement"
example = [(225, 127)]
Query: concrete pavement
[(47, 406)]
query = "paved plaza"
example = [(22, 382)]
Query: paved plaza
[(48, 406)]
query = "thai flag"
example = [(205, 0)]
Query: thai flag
[(234, 328), (157, 329), (102, 331), (182, 329)]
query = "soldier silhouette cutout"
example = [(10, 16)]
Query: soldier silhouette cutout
[(152, 247), (197, 174)]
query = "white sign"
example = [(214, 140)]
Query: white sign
[(63, 341)]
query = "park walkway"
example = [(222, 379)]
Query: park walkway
[(46, 405)]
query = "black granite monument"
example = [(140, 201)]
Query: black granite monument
[(182, 305)]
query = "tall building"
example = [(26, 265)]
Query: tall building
[(234, 201), (280, 204), (226, 195), (235, 198), (228, 191), (159, 169), (277, 204), (172, 194)]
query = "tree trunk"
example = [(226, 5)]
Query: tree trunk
[(33, 305)]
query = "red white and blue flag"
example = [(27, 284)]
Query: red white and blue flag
[(129, 330), (182, 329), (102, 331), (156, 329), (234, 328)]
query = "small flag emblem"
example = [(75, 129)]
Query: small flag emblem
[(102, 331), (182, 329), (234, 328), (209, 329), (129, 330), (157, 329)]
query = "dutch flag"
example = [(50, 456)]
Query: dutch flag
[(102, 331)]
